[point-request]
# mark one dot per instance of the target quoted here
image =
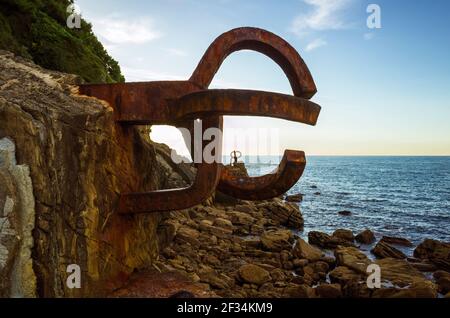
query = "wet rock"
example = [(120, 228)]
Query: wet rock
[(300, 262), (399, 272), (278, 275), (215, 280), (365, 237), (440, 274), (356, 289), (352, 258), (153, 284), (220, 232), (188, 235), (343, 275), (324, 240), (437, 252), (223, 223), (383, 250), (241, 218), (245, 208), (422, 289), (443, 280), (277, 240), (424, 266), (294, 197), (344, 234), (345, 213), (396, 241), (329, 291), (303, 250), (299, 291), (253, 274), (283, 213), (444, 285)]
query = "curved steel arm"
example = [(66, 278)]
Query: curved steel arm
[(268, 186), (261, 41), (245, 103), (204, 185)]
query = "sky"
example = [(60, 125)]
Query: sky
[(383, 91)]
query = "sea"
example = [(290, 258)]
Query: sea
[(395, 196)]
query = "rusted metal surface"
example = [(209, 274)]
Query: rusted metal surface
[(261, 41), (204, 185), (179, 103), (268, 186), (244, 103)]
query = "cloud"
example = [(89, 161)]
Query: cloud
[(325, 15), (115, 30), (315, 44)]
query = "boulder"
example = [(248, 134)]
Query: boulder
[(294, 197), (444, 285), (277, 240), (241, 218), (343, 275), (324, 240), (396, 241), (223, 223), (352, 258), (440, 274), (382, 250), (299, 291), (253, 274), (399, 272), (215, 280), (437, 252), (422, 289), (344, 234), (365, 237), (303, 250), (188, 235), (443, 280), (283, 213), (329, 291)]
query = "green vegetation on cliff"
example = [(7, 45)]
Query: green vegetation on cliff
[(37, 29)]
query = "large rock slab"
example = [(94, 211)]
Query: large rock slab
[(436, 251)]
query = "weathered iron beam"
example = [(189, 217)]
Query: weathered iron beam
[(262, 41), (204, 185), (244, 103), (267, 186)]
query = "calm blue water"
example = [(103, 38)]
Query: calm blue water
[(398, 196)]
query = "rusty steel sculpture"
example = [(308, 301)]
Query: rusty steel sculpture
[(180, 103)]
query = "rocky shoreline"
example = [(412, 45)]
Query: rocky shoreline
[(63, 164), (250, 249)]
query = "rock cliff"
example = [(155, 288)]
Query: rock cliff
[(63, 162)]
